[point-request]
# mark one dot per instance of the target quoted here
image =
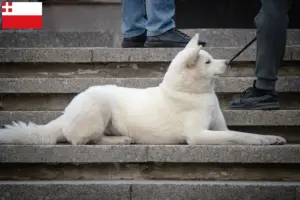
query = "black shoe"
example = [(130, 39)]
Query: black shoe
[(172, 38), (256, 99), (135, 42)]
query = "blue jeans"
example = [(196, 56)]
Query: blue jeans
[(155, 16)]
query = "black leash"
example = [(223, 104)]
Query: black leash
[(241, 51)]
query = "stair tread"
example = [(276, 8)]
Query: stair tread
[(105, 54), (113, 37), (76, 85), (149, 153), (149, 190), (151, 182)]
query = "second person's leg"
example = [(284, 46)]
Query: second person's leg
[(272, 24)]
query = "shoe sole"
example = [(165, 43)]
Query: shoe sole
[(259, 106), (127, 44), (166, 44)]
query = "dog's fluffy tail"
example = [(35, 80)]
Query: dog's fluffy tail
[(31, 133)]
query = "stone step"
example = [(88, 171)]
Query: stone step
[(113, 38), (150, 162), (93, 54), (11, 39), (233, 117), (76, 85), (276, 154), (149, 190), (122, 70), (151, 171)]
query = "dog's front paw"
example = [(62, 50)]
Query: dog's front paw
[(263, 140), (276, 139), (257, 140)]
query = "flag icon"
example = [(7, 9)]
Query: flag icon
[(22, 15)]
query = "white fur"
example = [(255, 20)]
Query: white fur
[(182, 109)]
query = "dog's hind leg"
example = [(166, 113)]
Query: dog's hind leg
[(87, 117), (82, 129), (115, 140)]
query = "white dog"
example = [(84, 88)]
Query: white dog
[(182, 109)]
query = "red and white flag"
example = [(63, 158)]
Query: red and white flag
[(22, 15)]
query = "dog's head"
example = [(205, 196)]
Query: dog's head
[(192, 68)]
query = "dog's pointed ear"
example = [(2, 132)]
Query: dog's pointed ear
[(193, 43), (192, 56)]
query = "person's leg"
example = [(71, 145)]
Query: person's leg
[(133, 23), (271, 23), (161, 31), (160, 14)]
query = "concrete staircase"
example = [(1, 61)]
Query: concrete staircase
[(41, 71)]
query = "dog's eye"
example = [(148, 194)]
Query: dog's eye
[(207, 62)]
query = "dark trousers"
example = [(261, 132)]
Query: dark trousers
[(271, 23)]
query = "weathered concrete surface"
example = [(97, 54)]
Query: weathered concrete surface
[(151, 171), (224, 154), (149, 153), (262, 118), (67, 190), (76, 85), (93, 54), (147, 190), (112, 37), (110, 70), (78, 55), (233, 117), (48, 39), (163, 55), (72, 154), (120, 70), (214, 191)]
